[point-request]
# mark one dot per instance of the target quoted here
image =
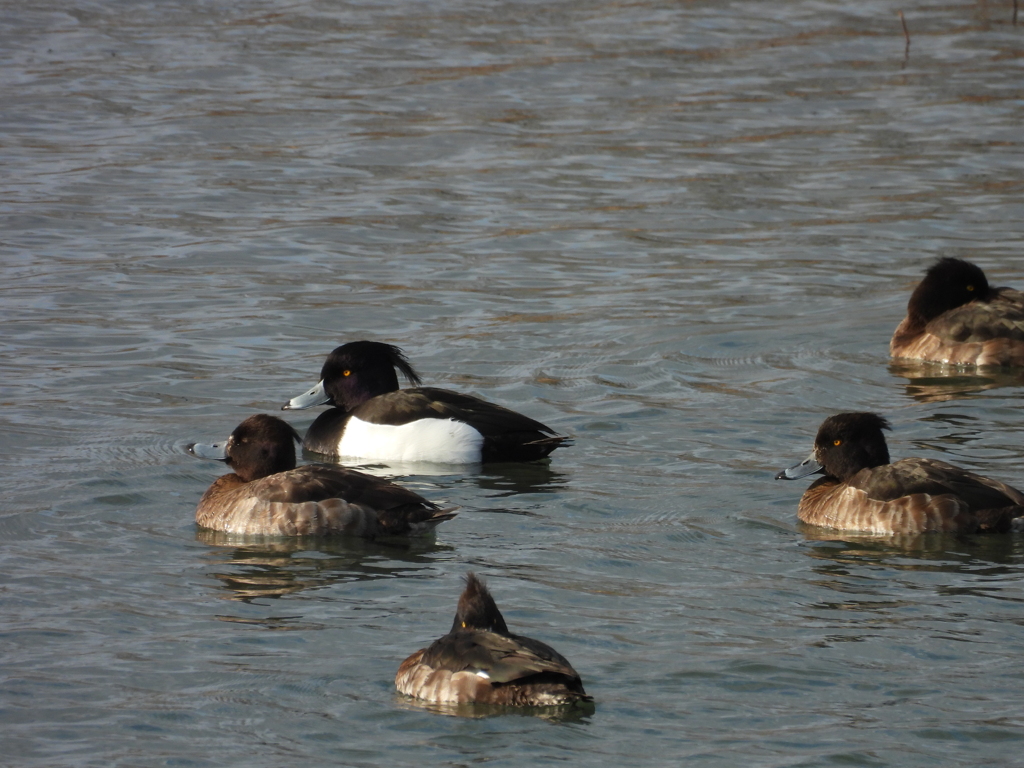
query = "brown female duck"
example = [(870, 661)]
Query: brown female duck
[(955, 317), (863, 491), (267, 494), (480, 662)]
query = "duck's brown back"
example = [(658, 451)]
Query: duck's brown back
[(979, 333), (316, 500), (483, 667), (912, 496)]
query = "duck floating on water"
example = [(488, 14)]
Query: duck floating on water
[(862, 491), (268, 495), (480, 662), (955, 317), (373, 419)]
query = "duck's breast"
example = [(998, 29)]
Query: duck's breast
[(437, 440), (842, 507)]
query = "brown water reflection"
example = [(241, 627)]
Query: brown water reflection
[(580, 713), (923, 551), (252, 567), (939, 382)]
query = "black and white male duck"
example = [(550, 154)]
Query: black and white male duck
[(480, 662), (266, 494), (373, 419), (955, 317), (862, 491)]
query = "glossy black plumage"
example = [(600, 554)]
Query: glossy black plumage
[(268, 495), (359, 379)]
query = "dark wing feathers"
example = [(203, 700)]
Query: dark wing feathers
[(909, 476), (504, 658), (316, 482), (1000, 317), (408, 405), (317, 499)]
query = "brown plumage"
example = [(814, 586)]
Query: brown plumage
[(480, 662), (953, 316), (267, 494), (863, 491)]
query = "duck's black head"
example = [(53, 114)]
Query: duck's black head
[(261, 445), (948, 284), (848, 442), (359, 370), (477, 609)]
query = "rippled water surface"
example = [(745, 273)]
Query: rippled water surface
[(681, 232)]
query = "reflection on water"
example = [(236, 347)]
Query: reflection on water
[(504, 479), (918, 594), (928, 551), (273, 567), (579, 713), (394, 469), (939, 382), (515, 479)]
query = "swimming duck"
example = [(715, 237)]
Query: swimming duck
[(373, 419), (862, 491), (955, 317), (480, 662), (267, 494)]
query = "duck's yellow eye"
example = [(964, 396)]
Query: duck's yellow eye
[(346, 373), (970, 287), (837, 442), (463, 625)]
